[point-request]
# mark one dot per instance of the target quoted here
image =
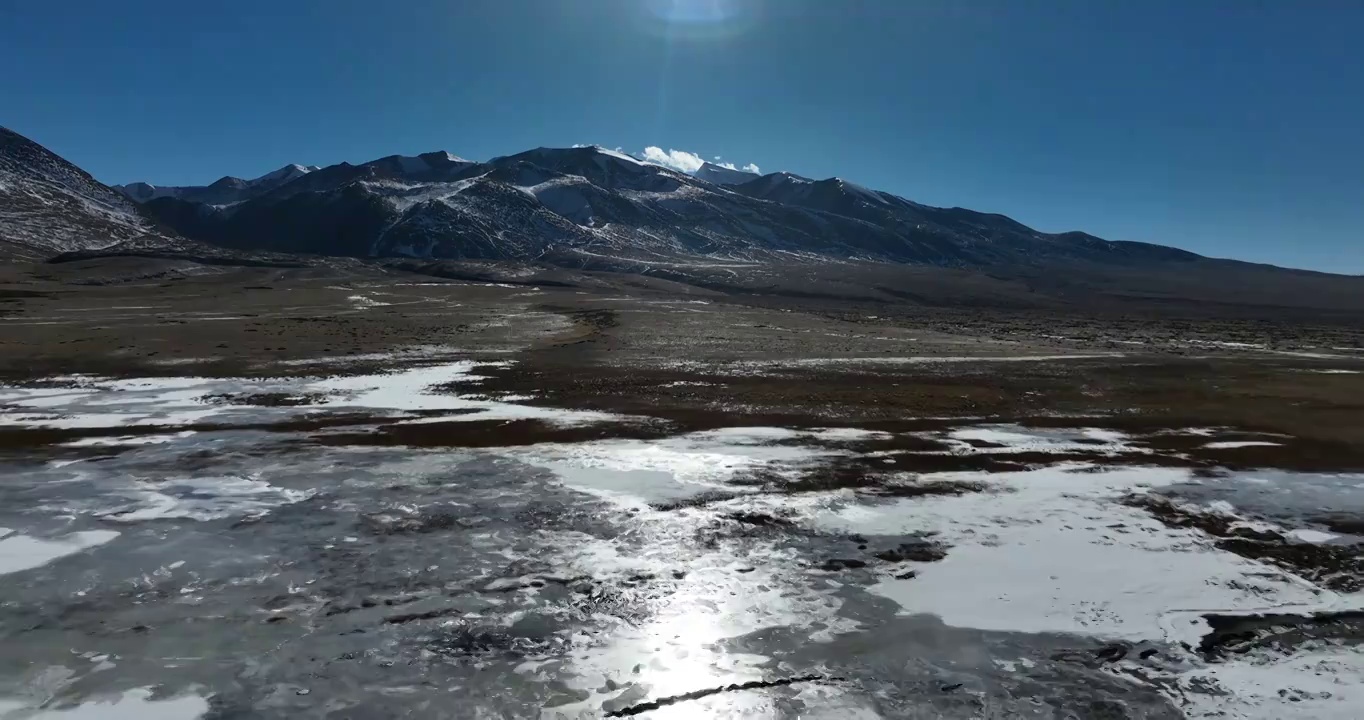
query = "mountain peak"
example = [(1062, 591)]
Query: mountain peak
[(415, 165), (442, 156), (284, 174)]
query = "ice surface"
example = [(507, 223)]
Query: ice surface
[(1233, 444), (135, 704), (21, 552), (637, 471), (678, 648), (203, 498)]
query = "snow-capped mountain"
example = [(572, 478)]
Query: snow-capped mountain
[(49, 206), (720, 175), (225, 191)]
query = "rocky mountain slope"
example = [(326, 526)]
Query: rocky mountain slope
[(49, 206)]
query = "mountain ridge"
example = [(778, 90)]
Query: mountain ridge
[(586, 205), (595, 209)]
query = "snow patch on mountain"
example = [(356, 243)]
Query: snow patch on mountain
[(619, 155)]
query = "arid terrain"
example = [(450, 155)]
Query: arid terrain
[(347, 489)]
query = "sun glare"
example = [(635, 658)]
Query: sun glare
[(702, 18)]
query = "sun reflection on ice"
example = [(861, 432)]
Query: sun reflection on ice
[(700, 599)]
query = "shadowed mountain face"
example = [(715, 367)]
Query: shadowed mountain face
[(49, 206), (589, 206)]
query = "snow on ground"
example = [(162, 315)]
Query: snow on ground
[(1006, 439), (1312, 536), (364, 302), (103, 403)]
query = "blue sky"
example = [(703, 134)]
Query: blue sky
[(1228, 127)]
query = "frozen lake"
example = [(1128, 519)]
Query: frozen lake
[(190, 549)]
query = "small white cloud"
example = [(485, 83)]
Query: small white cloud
[(675, 159), (687, 162), (580, 145)]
